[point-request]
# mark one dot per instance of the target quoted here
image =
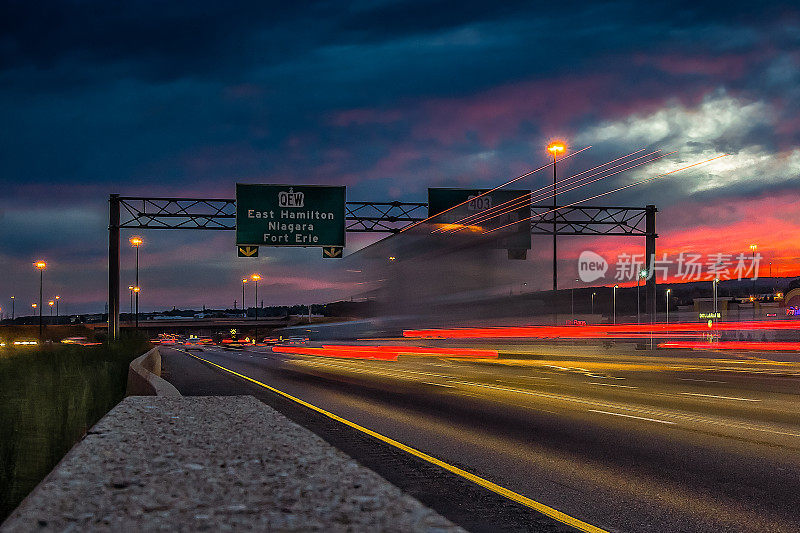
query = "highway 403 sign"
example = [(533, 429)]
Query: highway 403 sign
[(289, 215)]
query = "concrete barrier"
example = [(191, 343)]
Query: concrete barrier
[(213, 464), (144, 377)]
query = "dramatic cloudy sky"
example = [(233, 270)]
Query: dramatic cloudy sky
[(387, 98)]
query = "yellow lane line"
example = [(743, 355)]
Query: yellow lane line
[(502, 491)]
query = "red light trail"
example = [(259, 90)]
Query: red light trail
[(385, 353)]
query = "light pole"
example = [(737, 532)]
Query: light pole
[(57, 299), (753, 248), (12, 308), (667, 303), (572, 298), (593, 295), (136, 290), (555, 148), (51, 303), (130, 289), (642, 273), (615, 304), (716, 280), (255, 278), (136, 242), (244, 305), (41, 265)]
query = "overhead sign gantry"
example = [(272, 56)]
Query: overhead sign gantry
[(136, 212)]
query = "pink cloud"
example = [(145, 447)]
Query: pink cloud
[(727, 226)]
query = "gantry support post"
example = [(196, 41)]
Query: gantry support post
[(113, 267), (650, 257)]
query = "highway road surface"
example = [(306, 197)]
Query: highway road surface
[(614, 440)]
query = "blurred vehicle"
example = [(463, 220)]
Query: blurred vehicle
[(295, 341), (81, 341)]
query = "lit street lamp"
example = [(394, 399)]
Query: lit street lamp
[(57, 299), (51, 303), (244, 305), (642, 274), (667, 297), (255, 278), (593, 295), (13, 299), (555, 148), (753, 248), (130, 289), (136, 242), (572, 298), (41, 265), (135, 291), (615, 304)]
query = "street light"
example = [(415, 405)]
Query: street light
[(136, 242), (615, 304), (667, 303), (642, 274), (255, 278), (572, 298), (244, 305), (555, 148), (51, 303), (593, 295), (130, 289), (12, 308), (716, 280), (41, 265), (753, 248), (57, 299)]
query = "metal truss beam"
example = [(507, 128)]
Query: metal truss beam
[(220, 214), (590, 220), (388, 217)]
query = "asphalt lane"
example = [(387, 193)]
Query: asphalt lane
[(700, 443)]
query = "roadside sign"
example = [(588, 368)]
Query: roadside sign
[(289, 215), (332, 251), (507, 212), (247, 251)]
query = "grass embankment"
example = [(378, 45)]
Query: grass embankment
[(49, 397)]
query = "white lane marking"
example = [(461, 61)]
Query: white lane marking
[(611, 385), (438, 384), (720, 397), (702, 380), (632, 416)]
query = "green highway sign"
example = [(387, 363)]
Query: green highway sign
[(503, 214), (289, 215)]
